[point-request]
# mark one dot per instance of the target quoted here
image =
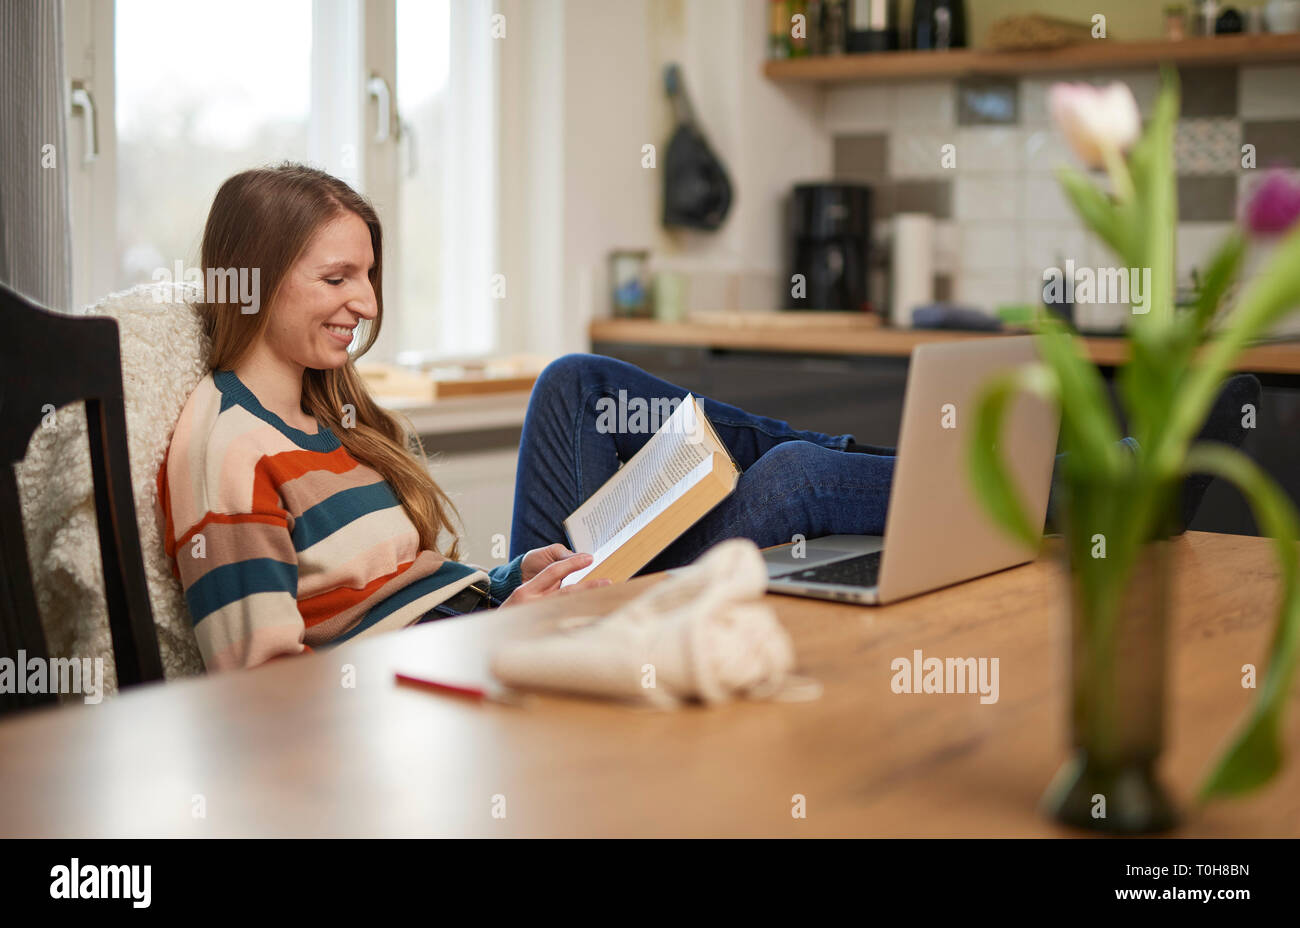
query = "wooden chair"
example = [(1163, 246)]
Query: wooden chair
[(48, 360)]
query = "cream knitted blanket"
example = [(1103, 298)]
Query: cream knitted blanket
[(163, 359), (702, 634)]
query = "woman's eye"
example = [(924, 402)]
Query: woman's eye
[(333, 281)]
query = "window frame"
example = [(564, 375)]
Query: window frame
[(352, 42)]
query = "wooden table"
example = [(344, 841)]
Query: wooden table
[(289, 750)]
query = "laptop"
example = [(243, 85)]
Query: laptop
[(936, 533)]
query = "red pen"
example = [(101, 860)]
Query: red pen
[(475, 693)]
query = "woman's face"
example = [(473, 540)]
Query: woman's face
[(324, 297)]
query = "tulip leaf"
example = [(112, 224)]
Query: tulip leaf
[(1096, 209), (1156, 207), (1256, 754), (993, 486), (1218, 277), (1269, 296), (1088, 426)]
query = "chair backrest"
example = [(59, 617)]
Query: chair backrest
[(49, 360)]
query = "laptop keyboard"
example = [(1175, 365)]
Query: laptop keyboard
[(863, 571)]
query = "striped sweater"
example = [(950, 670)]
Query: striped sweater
[(284, 542)]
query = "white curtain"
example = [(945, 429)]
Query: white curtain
[(35, 233)]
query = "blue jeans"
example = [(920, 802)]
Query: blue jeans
[(792, 482)]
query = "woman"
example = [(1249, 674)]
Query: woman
[(298, 517), (296, 513)]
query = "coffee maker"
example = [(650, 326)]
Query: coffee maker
[(829, 237)]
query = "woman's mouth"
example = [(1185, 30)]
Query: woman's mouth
[(341, 332)]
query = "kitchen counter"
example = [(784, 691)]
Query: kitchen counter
[(864, 336)]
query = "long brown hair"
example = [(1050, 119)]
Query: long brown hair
[(265, 218)]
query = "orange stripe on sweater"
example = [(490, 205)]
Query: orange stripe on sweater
[(287, 465), (323, 606), (272, 471), (223, 518), (266, 507)]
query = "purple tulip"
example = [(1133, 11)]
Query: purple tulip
[(1274, 206)]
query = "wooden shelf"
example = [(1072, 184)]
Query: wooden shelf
[(1093, 55)]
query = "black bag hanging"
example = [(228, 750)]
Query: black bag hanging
[(697, 191)]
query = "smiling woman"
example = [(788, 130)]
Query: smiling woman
[(296, 512), (325, 296)]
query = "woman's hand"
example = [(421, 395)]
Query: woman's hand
[(550, 565), (536, 560)]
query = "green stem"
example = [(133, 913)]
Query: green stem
[(1119, 174)]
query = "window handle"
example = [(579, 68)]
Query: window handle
[(83, 100), (377, 88)]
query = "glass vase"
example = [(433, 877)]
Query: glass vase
[(1118, 664)]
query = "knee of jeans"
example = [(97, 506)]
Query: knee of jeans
[(796, 450), (796, 454), (564, 373), (779, 479)]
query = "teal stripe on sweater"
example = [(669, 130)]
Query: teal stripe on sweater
[(338, 511), (235, 393), (449, 572), (224, 585)]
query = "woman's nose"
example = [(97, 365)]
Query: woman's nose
[(364, 304)]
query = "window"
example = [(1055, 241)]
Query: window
[(203, 92), (397, 97), (446, 97)]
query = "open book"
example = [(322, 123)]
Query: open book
[(682, 472)]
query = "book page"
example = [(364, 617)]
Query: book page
[(644, 518), (663, 462)]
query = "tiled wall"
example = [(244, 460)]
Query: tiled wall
[(1001, 218)]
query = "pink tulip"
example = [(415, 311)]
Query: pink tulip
[(1274, 205), (1096, 119)]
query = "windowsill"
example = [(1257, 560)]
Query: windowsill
[(462, 413), (485, 395)]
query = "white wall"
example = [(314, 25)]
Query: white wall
[(584, 92), (482, 487), (609, 199)]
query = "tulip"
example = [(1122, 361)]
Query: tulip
[(1274, 206), (1098, 122)]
